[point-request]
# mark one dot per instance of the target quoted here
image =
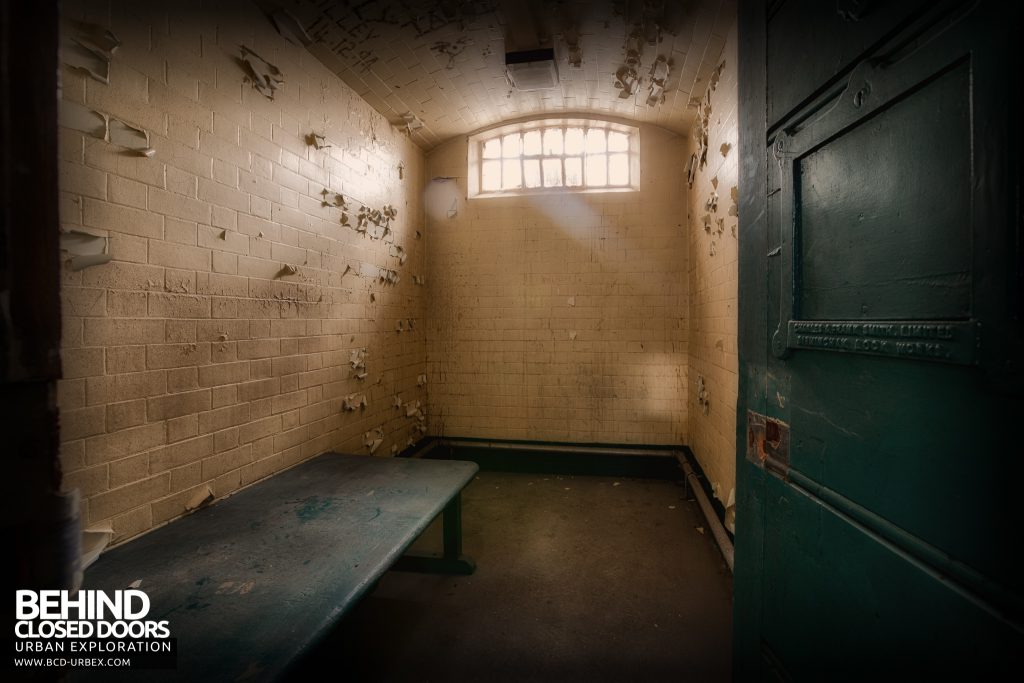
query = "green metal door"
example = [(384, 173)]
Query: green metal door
[(881, 402)]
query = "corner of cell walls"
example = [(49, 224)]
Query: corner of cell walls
[(713, 228), (444, 197)]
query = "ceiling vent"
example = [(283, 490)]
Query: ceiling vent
[(532, 69)]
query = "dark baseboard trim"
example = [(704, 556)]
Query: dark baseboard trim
[(719, 508), (534, 457)]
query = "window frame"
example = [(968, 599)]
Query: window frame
[(477, 140)]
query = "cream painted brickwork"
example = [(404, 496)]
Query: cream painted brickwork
[(192, 359), (559, 317), (713, 291)]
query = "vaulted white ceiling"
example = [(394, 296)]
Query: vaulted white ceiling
[(444, 62)]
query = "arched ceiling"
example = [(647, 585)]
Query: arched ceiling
[(444, 62)]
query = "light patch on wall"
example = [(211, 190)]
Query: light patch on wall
[(440, 196), (570, 213)]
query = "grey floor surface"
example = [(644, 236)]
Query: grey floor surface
[(578, 579)]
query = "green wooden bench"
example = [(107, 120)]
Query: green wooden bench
[(252, 582)]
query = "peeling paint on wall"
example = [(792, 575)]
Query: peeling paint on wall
[(373, 439), (127, 136), (264, 76), (89, 48), (703, 395), (85, 249)]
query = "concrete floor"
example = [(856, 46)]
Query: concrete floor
[(578, 578)]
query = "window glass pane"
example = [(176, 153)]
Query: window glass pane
[(618, 142), (574, 141), (595, 141), (492, 149), (510, 146), (553, 141), (552, 173), (511, 174), (531, 142), (531, 172), (618, 169), (574, 170), (597, 170), (490, 177)]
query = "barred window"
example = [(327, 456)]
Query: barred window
[(554, 156)]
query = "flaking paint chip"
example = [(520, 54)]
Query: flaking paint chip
[(85, 249), (90, 48), (316, 141), (200, 498), (373, 439), (128, 136), (264, 76)]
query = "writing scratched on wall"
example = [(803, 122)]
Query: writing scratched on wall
[(954, 342), (351, 30)]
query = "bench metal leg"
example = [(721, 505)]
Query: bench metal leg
[(452, 561)]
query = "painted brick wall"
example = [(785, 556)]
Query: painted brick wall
[(192, 359), (512, 279), (713, 290)]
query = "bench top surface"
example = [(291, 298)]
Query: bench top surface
[(253, 581)]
